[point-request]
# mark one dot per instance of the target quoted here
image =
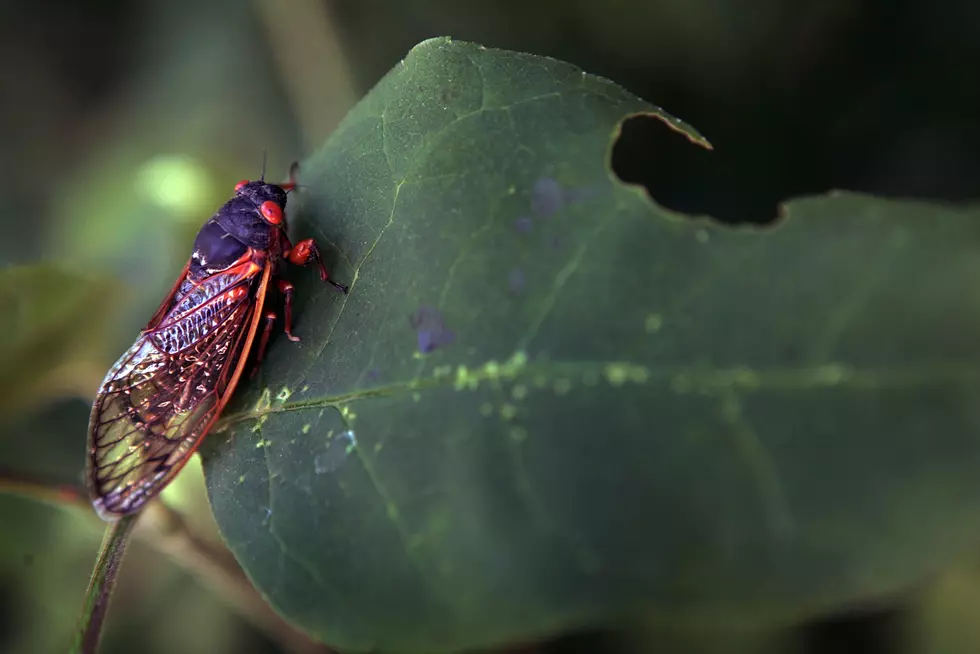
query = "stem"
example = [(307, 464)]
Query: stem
[(209, 563), (42, 489), (311, 63), (100, 586)]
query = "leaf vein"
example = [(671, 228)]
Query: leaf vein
[(681, 378), (563, 275), (772, 494), (308, 567), (856, 300)]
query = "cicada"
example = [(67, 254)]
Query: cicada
[(158, 401)]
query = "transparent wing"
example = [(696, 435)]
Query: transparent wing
[(159, 400)]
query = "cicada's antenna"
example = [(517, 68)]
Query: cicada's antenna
[(292, 183), (264, 154)]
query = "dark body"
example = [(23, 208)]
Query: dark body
[(237, 226), (162, 396)]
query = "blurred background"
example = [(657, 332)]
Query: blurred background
[(125, 123)]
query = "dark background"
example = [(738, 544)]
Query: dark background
[(124, 123)]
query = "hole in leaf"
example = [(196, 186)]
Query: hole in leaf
[(686, 177)]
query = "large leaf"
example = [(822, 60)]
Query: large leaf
[(618, 409)]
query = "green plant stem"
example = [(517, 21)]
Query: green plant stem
[(215, 567), (165, 530), (43, 490), (100, 586)]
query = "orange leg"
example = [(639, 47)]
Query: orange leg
[(270, 320), (306, 252), (286, 288)]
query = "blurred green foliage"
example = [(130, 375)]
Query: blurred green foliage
[(125, 124), (55, 321)]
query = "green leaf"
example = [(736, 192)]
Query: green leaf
[(637, 411), (46, 445)]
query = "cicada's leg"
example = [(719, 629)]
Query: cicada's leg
[(286, 288), (306, 252), (270, 320), (291, 184)]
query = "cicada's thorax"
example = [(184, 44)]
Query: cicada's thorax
[(222, 268), (237, 226)]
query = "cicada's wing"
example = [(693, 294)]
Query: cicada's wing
[(168, 301), (160, 399)]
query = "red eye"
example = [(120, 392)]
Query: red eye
[(239, 185), (271, 211)]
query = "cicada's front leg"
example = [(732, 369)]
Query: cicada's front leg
[(306, 252), (301, 254)]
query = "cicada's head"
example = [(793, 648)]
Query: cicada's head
[(267, 200), (253, 218)]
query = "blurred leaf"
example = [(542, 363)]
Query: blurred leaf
[(54, 323), (619, 409), (47, 444)]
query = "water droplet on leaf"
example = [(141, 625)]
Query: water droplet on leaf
[(336, 453)]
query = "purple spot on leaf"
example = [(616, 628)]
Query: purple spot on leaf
[(516, 280), (372, 374), (431, 329), (547, 196), (431, 339), (523, 224)]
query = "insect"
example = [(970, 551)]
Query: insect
[(158, 401)]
